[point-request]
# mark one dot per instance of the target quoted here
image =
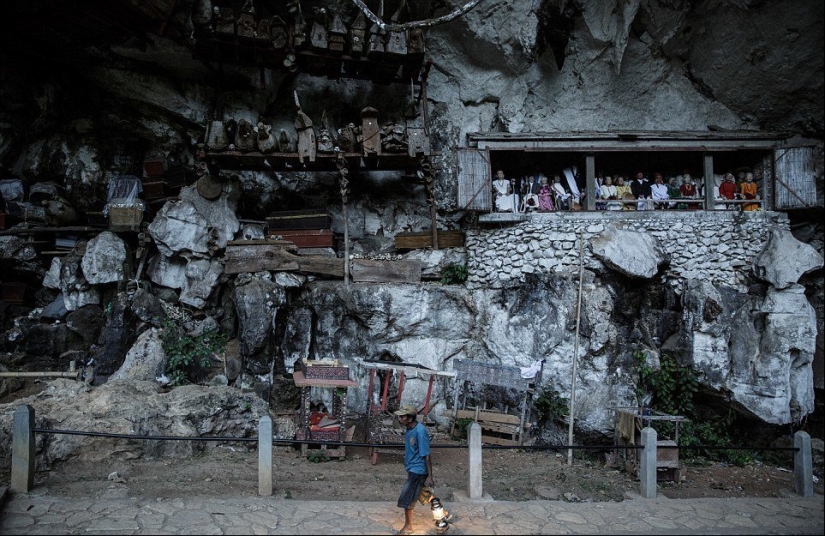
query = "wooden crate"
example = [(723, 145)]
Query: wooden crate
[(16, 293), (299, 219), (323, 371), (497, 428), (264, 255), (154, 167), (446, 239), (154, 190), (125, 218), (369, 271), (305, 238)]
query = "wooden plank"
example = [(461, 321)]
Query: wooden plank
[(489, 416), (499, 441), (446, 239), (280, 259), (369, 271)]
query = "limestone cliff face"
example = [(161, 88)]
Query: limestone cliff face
[(507, 66)]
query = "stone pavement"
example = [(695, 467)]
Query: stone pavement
[(40, 513)]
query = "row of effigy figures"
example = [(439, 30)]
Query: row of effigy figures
[(324, 30), (367, 138)]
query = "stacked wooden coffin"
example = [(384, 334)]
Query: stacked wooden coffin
[(307, 229)]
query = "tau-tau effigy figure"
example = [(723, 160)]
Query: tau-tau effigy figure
[(306, 134), (245, 138), (266, 140), (348, 138), (285, 143), (325, 142), (394, 138)]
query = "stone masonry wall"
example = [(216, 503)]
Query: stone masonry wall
[(714, 246)]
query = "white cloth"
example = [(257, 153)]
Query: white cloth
[(659, 191), (532, 370), (570, 175), (506, 201)]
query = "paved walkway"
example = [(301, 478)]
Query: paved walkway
[(116, 513)]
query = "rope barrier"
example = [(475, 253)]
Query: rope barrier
[(399, 446)]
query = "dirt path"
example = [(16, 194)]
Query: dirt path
[(512, 475)]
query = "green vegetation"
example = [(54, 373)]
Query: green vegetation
[(551, 406), (187, 357), (462, 425), (673, 388), (454, 274), (318, 456)]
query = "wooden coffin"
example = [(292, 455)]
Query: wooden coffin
[(154, 190), (125, 218), (2, 220), (369, 271), (276, 255), (323, 370), (311, 219), (446, 239), (16, 293), (154, 167), (305, 238)]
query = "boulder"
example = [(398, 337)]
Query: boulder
[(633, 254), (145, 359), (104, 259), (784, 259)]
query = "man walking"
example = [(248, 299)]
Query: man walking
[(419, 469)]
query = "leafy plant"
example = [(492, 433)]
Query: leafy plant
[(673, 388), (551, 406), (188, 357), (454, 274), (318, 456), (462, 425)]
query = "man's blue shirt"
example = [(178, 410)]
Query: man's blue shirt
[(416, 448)]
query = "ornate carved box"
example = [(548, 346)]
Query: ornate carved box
[(337, 35), (357, 35), (318, 36), (225, 24), (370, 132), (322, 369)]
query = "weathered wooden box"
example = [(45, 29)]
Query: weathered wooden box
[(305, 238), (125, 218), (299, 219), (446, 239), (257, 255), (16, 293), (154, 189), (369, 271), (314, 371), (154, 167)]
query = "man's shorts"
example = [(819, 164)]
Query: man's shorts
[(411, 490)]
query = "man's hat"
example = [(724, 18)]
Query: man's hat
[(406, 410)]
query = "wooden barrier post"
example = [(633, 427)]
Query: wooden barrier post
[(265, 456), (474, 439), (803, 465), (647, 467), (22, 458)]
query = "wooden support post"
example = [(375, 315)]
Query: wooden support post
[(590, 184), (265, 456), (370, 409), (23, 450), (401, 379), (709, 181), (386, 392), (426, 409)]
